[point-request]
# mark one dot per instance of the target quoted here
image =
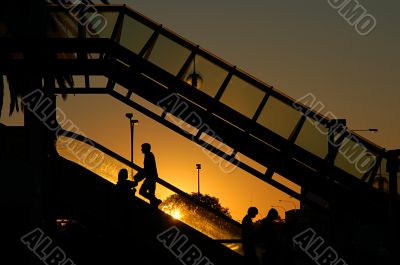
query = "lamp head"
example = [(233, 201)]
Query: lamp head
[(129, 115), (195, 80)]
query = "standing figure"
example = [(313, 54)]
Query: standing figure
[(248, 236), (149, 174), (269, 238)]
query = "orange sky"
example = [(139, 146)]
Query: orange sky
[(176, 156), (299, 48)]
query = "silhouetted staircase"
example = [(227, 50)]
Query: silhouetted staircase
[(93, 202), (95, 224), (231, 110)]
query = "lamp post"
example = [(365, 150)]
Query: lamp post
[(131, 125), (198, 167), (373, 130)]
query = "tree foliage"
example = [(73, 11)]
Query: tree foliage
[(176, 200), (199, 217)]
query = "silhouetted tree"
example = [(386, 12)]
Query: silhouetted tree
[(176, 200), (198, 216)]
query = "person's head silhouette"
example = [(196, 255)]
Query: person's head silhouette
[(146, 147), (272, 215), (123, 174), (252, 212)]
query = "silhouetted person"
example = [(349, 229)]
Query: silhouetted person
[(124, 186), (269, 238), (248, 236), (149, 173), (124, 190)]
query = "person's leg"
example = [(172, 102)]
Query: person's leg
[(152, 188), (152, 193), (137, 178), (148, 189), (144, 189)]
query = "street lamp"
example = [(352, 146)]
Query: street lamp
[(373, 130), (131, 125), (198, 167), (194, 79)]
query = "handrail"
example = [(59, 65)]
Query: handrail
[(214, 58)]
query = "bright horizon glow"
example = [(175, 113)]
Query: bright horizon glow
[(176, 214), (237, 190)]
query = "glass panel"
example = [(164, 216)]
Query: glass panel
[(384, 182), (65, 56), (237, 247), (79, 80), (62, 25), (212, 75), (279, 117), (242, 96), (95, 55), (382, 170), (98, 81), (134, 34), (381, 180), (101, 24), (313, 137), (354, 158), (168, 55)]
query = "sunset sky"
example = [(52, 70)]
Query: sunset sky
[(299, 47)]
